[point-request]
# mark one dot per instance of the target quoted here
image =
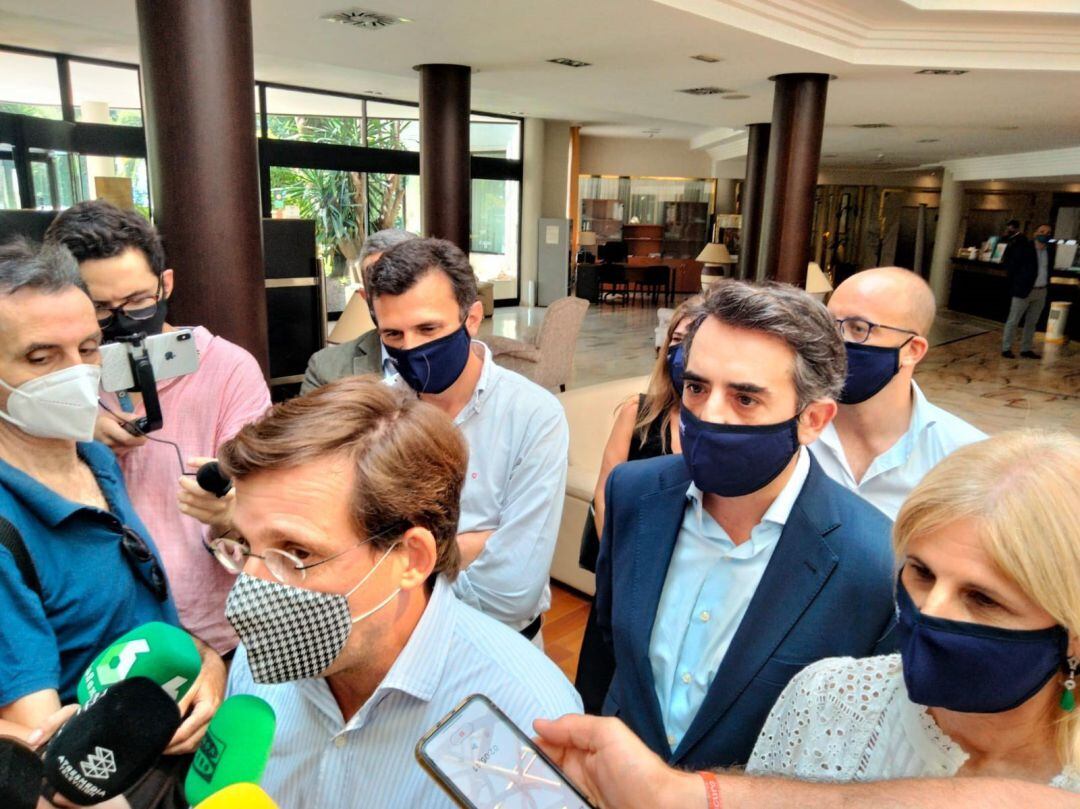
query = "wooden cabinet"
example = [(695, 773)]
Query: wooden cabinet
[(604, 217), (686, 229), (643, 240)]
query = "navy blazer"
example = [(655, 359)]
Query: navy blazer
[(827, 592)]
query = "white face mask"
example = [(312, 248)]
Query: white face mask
[(63, 404)]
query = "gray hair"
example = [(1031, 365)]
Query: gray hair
[(795, 317), (25, 265), (383, 240)]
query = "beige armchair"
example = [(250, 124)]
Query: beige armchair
[(549, 361)]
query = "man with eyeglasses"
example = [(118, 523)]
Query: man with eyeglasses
[(345, 549), (886, 435), (77, 566), (122, 261)]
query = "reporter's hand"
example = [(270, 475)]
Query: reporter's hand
[(195, 501), (613, 767), (202, 700), (109, 432), (47, 729)]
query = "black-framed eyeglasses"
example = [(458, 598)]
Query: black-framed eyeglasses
[(859, 329), (144, 562), (141, 308)]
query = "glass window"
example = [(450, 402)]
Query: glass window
[(393, 126), (9, 183), (495, 137), (295, 115), (393, 202), (90, 167), (29, 85), (106, 95), (494, 237)]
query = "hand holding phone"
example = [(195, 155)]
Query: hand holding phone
[(484, 761)]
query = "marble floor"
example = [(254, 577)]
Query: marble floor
[(964, 371)]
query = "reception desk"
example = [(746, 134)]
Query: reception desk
[(981, 288)]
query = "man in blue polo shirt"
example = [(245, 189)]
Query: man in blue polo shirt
[(80, 569)]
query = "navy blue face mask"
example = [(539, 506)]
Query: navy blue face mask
[(869, 369), (974, 668), (736, 459), (676, 364), (435, 366)]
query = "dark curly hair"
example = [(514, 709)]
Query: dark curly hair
[(98, 229), (404, 264)]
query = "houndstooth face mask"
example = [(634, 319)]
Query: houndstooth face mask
[(291, 633)]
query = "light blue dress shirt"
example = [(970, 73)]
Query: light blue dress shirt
[(932, 434), (707, 591), (1042, 276), (320, 760), (518, 443)]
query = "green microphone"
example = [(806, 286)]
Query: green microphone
[(160, 652), (234, 750)]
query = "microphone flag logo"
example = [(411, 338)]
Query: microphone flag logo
[(208, 756), (100, 764)]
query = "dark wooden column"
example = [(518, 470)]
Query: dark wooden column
[(753, 197), (199, 109), (794, 153), (445, 180)]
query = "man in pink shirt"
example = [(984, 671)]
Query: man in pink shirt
[(122, 261)]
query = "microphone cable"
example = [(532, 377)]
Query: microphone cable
[(131, 427)]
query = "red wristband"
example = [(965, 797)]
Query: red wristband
[(712, 789)]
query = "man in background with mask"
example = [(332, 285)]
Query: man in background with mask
[(886, 435), (364, 354), (725, 571), (77, 566), (426, 307), (122, 261), (1028, 265), (346, 542)]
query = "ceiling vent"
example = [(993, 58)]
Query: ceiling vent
[(873, 126), (709, 60), (569, 62), (704, 91), (368, 20), (928, 140), (939, 71), (736, 97)]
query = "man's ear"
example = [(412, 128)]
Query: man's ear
[(167, 283), (474, 318), (420, 556), (815, 418), (912, 354)]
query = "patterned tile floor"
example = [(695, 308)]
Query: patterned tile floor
[(964, 373)]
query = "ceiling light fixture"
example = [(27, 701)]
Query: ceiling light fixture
[(928, 140), (735, 96), (367, 20), (562, 60), (939, 71), (704, 91), (704, 57), (872, 126)]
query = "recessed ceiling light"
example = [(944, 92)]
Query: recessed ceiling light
[(704, 91), (938, 71), (928, 140), (1006, 128), (873, 126), (704, 57), (373, 92), (562, 60), (735, 96), (368, 20)]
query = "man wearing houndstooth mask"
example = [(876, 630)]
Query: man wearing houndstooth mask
[(344, 546)]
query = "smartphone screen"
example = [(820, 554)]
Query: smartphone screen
[(487, 762)]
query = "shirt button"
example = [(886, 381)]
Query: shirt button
[(705, 615), (339, 742), (686, 678), (670, 739)]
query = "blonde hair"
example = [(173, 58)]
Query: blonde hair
[(660, 396), (1021, 490)]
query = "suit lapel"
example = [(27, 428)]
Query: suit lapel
[(799, 568), (659, 518)]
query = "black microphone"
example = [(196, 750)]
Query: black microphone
[(111, 742), (20, 775), (209, 477)]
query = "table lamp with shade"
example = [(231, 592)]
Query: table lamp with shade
[(717, 260), (354, 320), (817, 283), (586, 246)]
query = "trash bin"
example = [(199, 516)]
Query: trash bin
[(1056, 320)]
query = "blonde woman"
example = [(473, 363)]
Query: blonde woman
[(989, 609)]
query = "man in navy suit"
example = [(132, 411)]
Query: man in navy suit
[(726, 570)]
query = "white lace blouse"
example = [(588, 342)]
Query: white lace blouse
[(843, 719)]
